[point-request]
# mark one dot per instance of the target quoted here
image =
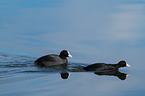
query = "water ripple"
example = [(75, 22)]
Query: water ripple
[(12, 64)]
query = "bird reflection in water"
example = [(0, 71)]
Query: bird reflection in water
[(120, 75), (65, 75), (65, 71), (116, 73)]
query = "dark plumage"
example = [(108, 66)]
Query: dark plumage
[(52, 59), (103, 66), (64, 75), (120, 75)]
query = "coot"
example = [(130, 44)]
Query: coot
[(103, 66), (53, 59)]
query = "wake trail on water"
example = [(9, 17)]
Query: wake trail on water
[(11, 63)]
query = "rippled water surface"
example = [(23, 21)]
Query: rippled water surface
[(92, 30)]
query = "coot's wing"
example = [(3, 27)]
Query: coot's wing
[(50, 60), (95, 67), (47, 58)]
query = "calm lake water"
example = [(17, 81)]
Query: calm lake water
[(94, 31)]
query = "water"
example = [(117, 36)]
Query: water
[(93, 31)]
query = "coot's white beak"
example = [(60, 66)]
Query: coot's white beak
[(127, 65), (69, 55)]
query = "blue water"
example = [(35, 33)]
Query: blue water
[(91, 30)]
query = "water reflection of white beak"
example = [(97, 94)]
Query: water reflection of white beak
[(127, 65), (127, 75)]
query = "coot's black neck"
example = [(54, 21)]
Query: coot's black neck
[(62, 56)]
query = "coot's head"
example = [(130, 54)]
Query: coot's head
[(64, 54), (123, 64)]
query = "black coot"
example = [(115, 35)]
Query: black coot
[(52, 59), (103, 66)]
